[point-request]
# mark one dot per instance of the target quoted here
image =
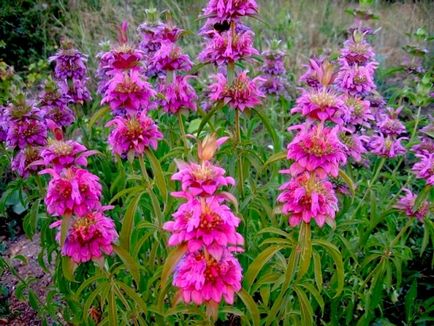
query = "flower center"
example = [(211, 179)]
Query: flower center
[(323, 99)]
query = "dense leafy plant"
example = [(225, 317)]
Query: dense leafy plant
[(162, 192)]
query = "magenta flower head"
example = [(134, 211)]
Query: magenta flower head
[(386, 146), (307, 197), (229, 10), (26, 126), (359, 112), (390, 124), (243, 93), (201, 179), (321, 104), (316, 149), (3, 123), (22, 162), (73, 191), (356, 51), (132, 135), (319, 73), (76, 90), (121, 58), (273, 62), (274, 85), (357, 79), (228, 47), (424, 169), (89, 237), (60, 154), (170, 57), (130, 91), (70, 63), (205, 223), (425, 147), (353, 144), (202, 279), (177, 95), (406, 205)]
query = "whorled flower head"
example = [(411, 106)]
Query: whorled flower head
[(55, 105), (357, 80), (307, 197), (202, 279), (406, 205), (170, 57), (321, 104), (356, 51), (60, 154), (273, 62), (359, 112), (61, 115), (177, 94), (205, 223), (121, 58), (241, 94), (76, 90), (274, 85), (389, 123), (70, 63), (386, 146), (424, 169), (129, 91), (154, 33), (228, 10), (228, 47), (201, 179), (22, 161), (73, 191), (425, 147), (353, 145), (3, 123), (132, 135), (89, 237), (25, 127), (316, 149)]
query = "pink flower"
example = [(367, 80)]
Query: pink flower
[(74, 191), (424, 169), (316, 149), (356, 51), (205, 223), (89, 237), (390, 124), (122, 58), (61, 154), (130, 91), (313, 73), (359, 112), (353, 145), (386, 146), (321, 104), (177, 95), (202, 279), (201, 180), (307, 196), (357, 79), (228, 47), (170, 57), (425, 147), (22, 162), (406, 205), (243, 93), (223, 10), (132, 135)]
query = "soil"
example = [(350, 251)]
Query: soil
[(19, 312)]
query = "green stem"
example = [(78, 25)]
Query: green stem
[(182, 129), (240, 158), (403, 230), (40, 186), (154, 201)]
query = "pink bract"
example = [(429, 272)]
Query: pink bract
[(406, 205), (424, 169), (223, 10), (177, 95)]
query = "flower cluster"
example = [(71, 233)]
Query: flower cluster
[(206, 226), (274, 71), (406, 205), (130, 96), (70, 72), (227, 42)]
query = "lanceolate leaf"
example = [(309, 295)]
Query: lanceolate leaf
[(158, 174), (128, 221), (169, 266), (251, 306), (130, 263)]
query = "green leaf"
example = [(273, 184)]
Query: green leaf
[(129, 262), (251, 306), (259, 262), (274, 158), (305, 243), (348, 181), (113, 315), (410, 300), (87, 283), (158, 174), (337, 258), (317, 270), (305, 307), (34, 301), (270, 128), (169, 266), (128, 221), (68, 267), (208, 116), (98, 115), (134, 296), (30, 221), (315, 293)]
